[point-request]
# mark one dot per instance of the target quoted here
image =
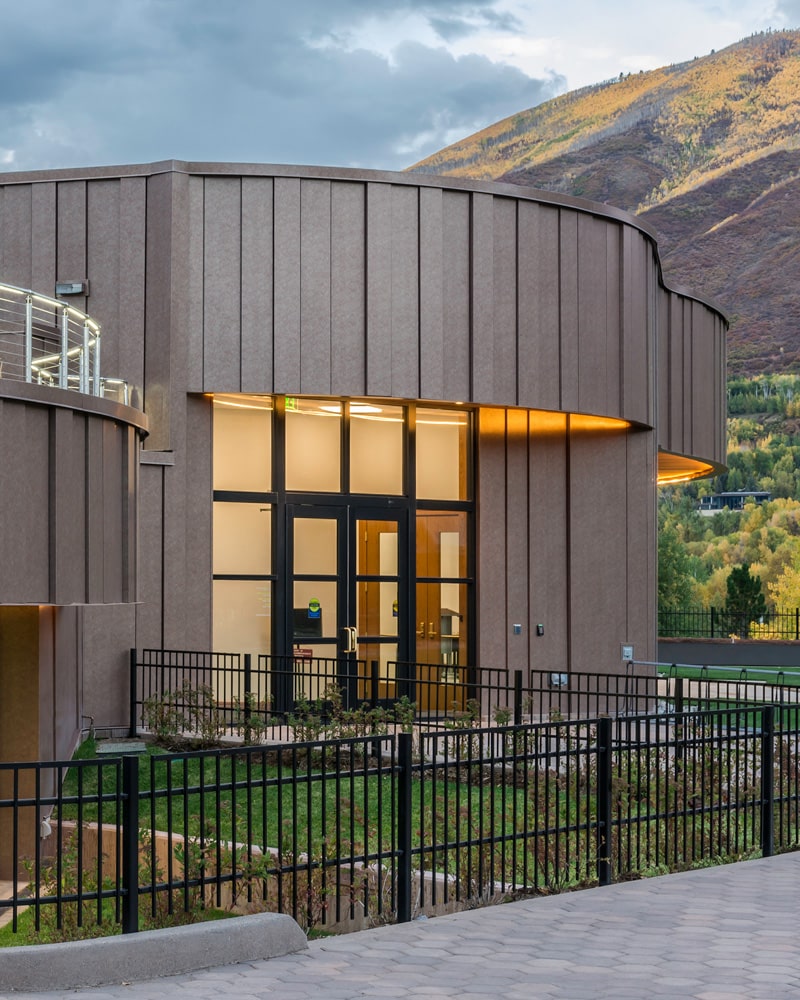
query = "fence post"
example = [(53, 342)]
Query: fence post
[(797, 623), (404, 828), (767, 781), (712, 623), (678, 695), (133, 696), (517, 697), (130, 844), (373, 681), (248, 689), (604, 847)]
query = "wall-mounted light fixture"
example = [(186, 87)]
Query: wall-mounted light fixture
[(72, 288)]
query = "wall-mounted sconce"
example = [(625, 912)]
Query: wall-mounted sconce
[(72, 288)]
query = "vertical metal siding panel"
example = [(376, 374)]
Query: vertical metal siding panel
[(456, 295), (539, 366), (158, 310), (222, 289), (676, 373), (431, 276), (195, 267), (287, 284), (517, 541), (598, 555), (548, 554), (664, 408), (315, 287), (483, 298), (71, 264), (113, 479), (592, 315), (613, 401), (95, 513), (635, 326), (257, 271), (17, 237), (379, 290), (151, 556), (129, 332), (703, 412), (492, 541), (197, 594), (103, 244), (505, 301), (687, 375), (70, 467), (348, 288), (405, 292), (24, 492), (43, 238), (568, 309), (641, 571), (721, 331)]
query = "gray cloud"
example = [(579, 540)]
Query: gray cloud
[(141, 80)]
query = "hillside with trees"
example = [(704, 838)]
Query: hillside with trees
[(697, 553), (707, 152)]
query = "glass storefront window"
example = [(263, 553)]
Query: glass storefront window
[(243, 443), (442, 472), (313, 445), (242, 539), (376, 448)]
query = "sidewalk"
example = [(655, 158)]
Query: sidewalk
[(715, 934)]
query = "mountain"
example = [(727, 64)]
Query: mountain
[(707, 152)]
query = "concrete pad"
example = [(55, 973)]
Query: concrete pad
[(128, 958)]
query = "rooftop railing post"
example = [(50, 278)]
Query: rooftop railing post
[(29, 338), (96, 364), (517, 697), (63, 368), (604, 815), (130, 844), (374, 680), (85, 361), (404, 827), (767, 781)]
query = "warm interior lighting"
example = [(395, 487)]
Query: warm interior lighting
[(243, 402), (674, 469)]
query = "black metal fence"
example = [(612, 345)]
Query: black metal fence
[(721, 623), (199, 693), (349, 832)]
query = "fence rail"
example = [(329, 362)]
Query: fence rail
[(343, 833)]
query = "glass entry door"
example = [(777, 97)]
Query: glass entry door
[(347, 597)]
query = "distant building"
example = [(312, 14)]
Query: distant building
[(734, 500)]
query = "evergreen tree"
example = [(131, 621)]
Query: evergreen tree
[(745, 601)]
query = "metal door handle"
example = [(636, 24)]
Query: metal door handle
[(350, 639), (421, 630), (431, 631)]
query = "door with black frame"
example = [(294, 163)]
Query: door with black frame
[(347, 600)]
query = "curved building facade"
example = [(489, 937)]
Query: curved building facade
[(419, 418)]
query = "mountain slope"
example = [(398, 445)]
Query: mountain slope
[(707, 152)]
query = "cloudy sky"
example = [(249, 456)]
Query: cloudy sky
[(371, 83)]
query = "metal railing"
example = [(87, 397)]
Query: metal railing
[(46, 341), (720, 623), (341, 836)]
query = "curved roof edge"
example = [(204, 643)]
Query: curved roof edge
[(313, 172)]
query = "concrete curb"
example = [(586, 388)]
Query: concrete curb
[(149, 954)]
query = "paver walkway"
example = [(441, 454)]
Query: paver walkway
[(716, 934)]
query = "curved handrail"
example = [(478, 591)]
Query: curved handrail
[(47, 341)]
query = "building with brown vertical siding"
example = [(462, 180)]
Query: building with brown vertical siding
[(430, 410)]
